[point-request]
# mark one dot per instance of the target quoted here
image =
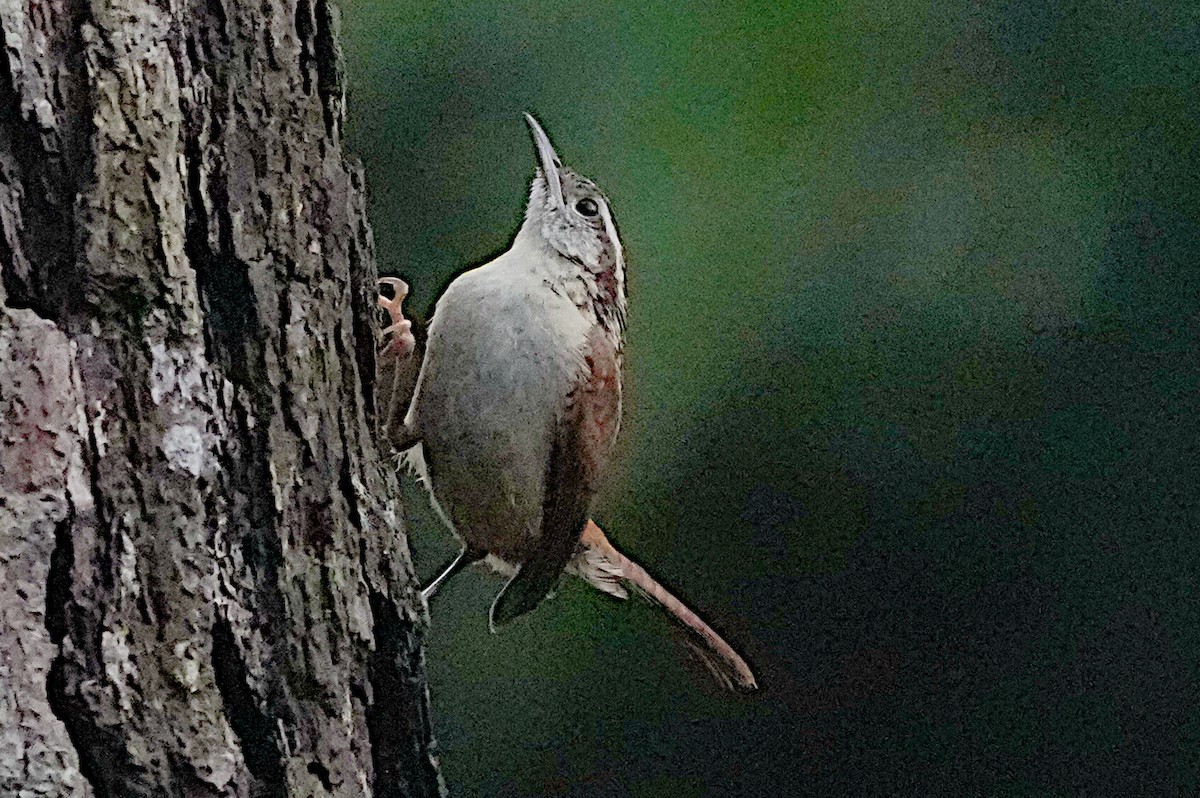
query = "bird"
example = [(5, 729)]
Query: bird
[(517, 404)]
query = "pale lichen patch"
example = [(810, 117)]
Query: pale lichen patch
[(119, 666), (176, 373), (183, 446), (187, 669)]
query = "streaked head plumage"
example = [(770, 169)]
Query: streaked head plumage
[(574, 217)]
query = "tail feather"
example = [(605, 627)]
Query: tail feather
[(609, 570)]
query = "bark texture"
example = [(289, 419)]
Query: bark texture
[(204, 584)]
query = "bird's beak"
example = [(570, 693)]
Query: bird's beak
[(548, 158)]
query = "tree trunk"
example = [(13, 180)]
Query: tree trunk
[(204, 584)]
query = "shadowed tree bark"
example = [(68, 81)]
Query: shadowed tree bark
[(204, 583)]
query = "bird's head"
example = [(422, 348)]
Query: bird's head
[(573, 217)]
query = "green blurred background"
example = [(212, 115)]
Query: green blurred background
[(912, 378)]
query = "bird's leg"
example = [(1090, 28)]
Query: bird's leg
[(467, 556), (397, 364)]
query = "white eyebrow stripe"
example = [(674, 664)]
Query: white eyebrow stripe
[(611, 229)]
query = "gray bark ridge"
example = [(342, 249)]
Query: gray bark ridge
[(205, 587)]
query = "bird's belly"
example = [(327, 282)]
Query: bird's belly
[(487, 412), (488, 475)]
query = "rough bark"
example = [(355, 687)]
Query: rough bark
[(204, 584)]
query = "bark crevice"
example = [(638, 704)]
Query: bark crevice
[(103, 759), (44, 162), (255, 729), (329, 67), (397, 715)]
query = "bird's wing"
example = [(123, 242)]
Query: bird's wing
[(582, 440), (564, 512)]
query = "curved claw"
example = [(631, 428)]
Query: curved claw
[(399, 292), (401, 342)]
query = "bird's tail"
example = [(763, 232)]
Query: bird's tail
[(607, 569)]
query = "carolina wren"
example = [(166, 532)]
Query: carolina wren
[(518, 402)]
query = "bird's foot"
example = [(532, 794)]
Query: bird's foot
[(396, 367), (400, 341)]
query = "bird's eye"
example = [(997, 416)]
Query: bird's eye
[(587, 207)]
